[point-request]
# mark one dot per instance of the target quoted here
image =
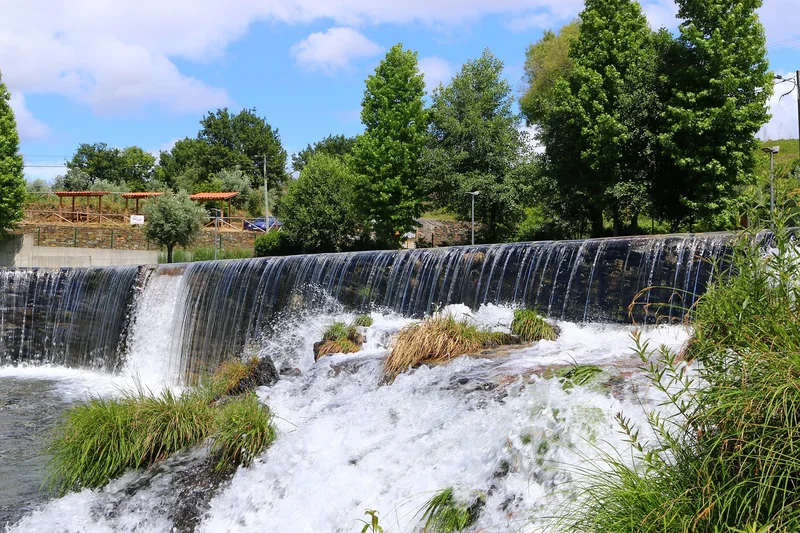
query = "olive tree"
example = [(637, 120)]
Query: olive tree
[(173, 219)]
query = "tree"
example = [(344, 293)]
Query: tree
[(319, 211), (475, 145), (389, 152), (718, 88), (337, 145), (173, 219), (74, 180), (136, 168), (596, 145), (243, 140), (546, 62), (12, 179), (97, 161), (235, 181), (187, 157)]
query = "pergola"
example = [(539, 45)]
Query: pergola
[(138, 196), (215, 197), (87, 194)]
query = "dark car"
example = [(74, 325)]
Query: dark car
[(260, 224)]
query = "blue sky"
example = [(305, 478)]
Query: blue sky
[(143, 73)]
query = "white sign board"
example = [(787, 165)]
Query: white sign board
[(137, 220)]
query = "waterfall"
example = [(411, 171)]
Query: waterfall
[(188, 318), (71, 317)]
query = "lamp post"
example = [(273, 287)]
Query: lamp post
[(473, 194), (771, 151), (266, 196)]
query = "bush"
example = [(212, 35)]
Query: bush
[(274, 243), (530, 327), (439, 339)]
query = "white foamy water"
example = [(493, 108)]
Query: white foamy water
[(150, 349), (347, 443)]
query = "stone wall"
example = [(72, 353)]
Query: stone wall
[(435, 232), (124, 238)]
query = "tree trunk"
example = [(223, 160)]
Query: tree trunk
[(169, 253), (597, 223), (617, 225), (635, 223)]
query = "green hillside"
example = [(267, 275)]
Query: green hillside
[(785, 160)]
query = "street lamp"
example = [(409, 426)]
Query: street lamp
[(473, 194), (771, 151)]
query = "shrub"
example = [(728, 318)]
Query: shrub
[(243, 429), (444, 514), (273, 243), (530, 327), (438, 339)]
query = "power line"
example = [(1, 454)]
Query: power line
[(44, 166)]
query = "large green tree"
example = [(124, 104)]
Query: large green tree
[(475, 145), (12, 180), (337, 145), (594, 142), (320, 211), (172, 219), (546, 62), (718, 86), (225, 141), (244, 140), (131, 166), (389, 153)]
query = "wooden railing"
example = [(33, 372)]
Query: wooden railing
[(83, 218)]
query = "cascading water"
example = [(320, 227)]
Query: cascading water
[(347, 443)]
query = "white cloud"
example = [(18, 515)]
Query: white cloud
[(332, 51), (118, 55), (28, 126), (436, 70), (783, 124), (529, 133)]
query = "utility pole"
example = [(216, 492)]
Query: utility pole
[(797, 88), (771, 151), (266, 195)]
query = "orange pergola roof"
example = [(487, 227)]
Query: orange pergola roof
[(141, 194), (213, 196), (80, 193)]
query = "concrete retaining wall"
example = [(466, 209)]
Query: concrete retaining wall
[(20, 251)]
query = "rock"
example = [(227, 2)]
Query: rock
[(265, 373), (290, 371)]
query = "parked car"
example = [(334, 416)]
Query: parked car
[(260, 224)]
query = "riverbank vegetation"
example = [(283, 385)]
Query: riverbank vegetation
[(725, 457), (342, 338), (101, 438)]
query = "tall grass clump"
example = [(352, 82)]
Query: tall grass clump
[(342, 338), (443, 513), (725, 456), (530, 327), (438, 339), (99, 439), (244, 429)]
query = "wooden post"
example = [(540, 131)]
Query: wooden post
[(137, 207), (72, 215), (100, 209)]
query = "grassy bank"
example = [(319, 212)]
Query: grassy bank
[(727, 459)]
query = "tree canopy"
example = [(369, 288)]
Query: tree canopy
[(12, 180), (131, 166), (337, 145)]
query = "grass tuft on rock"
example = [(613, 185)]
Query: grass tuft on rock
[(443, 513), (100, 438), (363, 321), (530, 327), (438, 339), (243, 429)]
